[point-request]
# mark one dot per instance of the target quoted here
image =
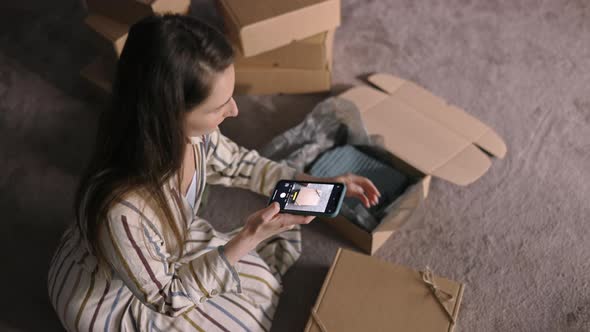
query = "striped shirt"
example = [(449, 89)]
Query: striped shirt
[(200, 291)]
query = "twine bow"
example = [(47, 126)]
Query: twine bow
[(440, 295)]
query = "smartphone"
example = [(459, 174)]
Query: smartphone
[(309, 198)]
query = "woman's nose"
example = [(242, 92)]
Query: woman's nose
[(233, 109)]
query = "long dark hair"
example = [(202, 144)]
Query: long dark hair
[(165, 69)]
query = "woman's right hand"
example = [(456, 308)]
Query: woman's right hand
[(267, 222), (260, 226)]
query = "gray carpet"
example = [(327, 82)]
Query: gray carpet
[(518, 237)]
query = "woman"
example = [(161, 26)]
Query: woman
[(139, 257)]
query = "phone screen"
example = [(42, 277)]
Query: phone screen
[(307, 196)]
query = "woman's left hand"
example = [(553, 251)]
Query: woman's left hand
[(359, 187)]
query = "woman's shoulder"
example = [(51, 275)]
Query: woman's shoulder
[(135, 211), (132, 204)]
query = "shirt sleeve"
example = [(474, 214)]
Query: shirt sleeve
[(229, 164), (134, 247)]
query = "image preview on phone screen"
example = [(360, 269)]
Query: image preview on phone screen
[(300, 196)]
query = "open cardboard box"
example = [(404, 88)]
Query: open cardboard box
[(363, 293), (426, 137), (263, 25), (314, 52), (130, 11)]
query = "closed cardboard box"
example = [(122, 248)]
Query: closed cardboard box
[(425, 137), (109, 35), (301, 67), (363, 293), (263, 25), (130, 11), (310, 53), (262, 80), (100, 73)]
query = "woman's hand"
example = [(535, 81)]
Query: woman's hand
[(267, 222), (359, 187), (356, 186), (259, 226)]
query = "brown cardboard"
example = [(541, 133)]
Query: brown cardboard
[(310, 53), (405, 208), (263, 25), (100, 73), (363, 293), (110, 36), (260, 80), (426, 137), (130, 11)]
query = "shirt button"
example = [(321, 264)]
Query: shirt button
[(203, 299), (214, 292)]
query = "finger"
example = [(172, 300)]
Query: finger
[(373, 188), (366, 201), (373, 196), (299, 221), (354, 189), (305, 220), (270, 211), (292, 219), (358, 192), (369, 186), (308, 219)]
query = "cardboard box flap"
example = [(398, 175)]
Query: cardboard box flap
[(437, 108), (424, 131), (465, 167), (114, 32), (362, 293), (364, 97)]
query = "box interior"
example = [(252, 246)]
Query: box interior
[(374, 163)]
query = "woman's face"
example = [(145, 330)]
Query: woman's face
[(205, 118)]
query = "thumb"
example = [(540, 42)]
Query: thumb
[(270, 211)]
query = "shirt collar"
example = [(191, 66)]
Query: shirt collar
[(196, 139), (173, 180)]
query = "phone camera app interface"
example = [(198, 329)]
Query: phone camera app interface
[(296, 196)]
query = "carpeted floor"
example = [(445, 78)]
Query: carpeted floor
[(518, 237)]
